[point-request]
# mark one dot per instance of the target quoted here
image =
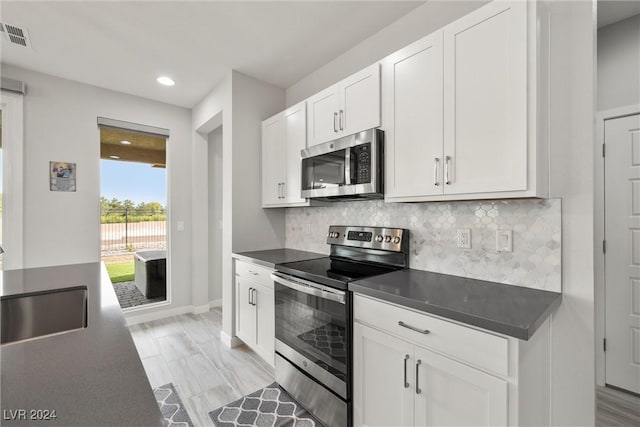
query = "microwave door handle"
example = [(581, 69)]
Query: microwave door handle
[(309, 290), (347, 166)]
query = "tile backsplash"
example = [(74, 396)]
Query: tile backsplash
[(535, 224)]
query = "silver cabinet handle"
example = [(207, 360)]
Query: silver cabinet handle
[(335, 126), (418, 390), (436, 164), (447, 160), (413, 328), (253, 272), (254, 294), (406, 383), (341, 120), (250, 295), (284, 191), (279, 192)]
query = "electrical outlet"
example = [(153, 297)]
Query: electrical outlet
[(180, 225), (504, 241), (464, 238)]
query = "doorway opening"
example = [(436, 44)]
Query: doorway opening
[(133, 214)]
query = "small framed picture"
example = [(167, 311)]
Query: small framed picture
[(62, 176)]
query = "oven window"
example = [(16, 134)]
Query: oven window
[(314, 327), (326, 170)]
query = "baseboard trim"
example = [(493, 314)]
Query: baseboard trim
[(134, 319), (230, 342), (215, 303), (199, 309)]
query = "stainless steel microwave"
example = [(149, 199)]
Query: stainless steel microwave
[(347, 168)]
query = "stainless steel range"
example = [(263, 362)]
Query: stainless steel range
[(314, 316)]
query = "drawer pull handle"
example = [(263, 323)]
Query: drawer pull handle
[(413, 328), (250, 296), (418, 390), (253, 272), (406, 383)]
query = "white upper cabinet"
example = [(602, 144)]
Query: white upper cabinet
[(273, 160), (283, 137), (460, 110), (485, 85), (348, 107), (413, 94)]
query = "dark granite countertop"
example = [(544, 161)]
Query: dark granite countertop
[(270, 257), (90, 377), (511, 310)]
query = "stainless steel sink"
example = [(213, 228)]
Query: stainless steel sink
[(37, 314)]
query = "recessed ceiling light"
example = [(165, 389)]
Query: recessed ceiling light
[(164, 80), (114, 157), (125, 142)]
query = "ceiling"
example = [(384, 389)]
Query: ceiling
[(124, 46), (142, 147), (610, 11)]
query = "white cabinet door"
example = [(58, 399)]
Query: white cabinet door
[(265, 322), (453, 394), (382, 379), (485, 86), (273, 160), (245, 311), (413, 112), (295, 119), (360, 101), (322, 116)]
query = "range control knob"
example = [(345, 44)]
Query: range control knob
[(396, 240), (387, 238), (336, 234), (379, 238)]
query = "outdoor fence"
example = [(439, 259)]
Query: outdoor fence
[(132, 229)]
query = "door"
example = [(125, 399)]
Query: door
[(295, 131), (265, 318), (382, 379), (245, 311), (449, 393), (622, 256), (360, 101), (273, 160), (322, 119), (413, 119), (485, 86)]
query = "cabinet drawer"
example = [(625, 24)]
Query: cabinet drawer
[(254, 272), (466, 344)]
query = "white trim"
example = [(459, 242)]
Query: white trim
[(598, 232), (12, 105), (199, 309), (229, 341), (147, 317), (215, 303)]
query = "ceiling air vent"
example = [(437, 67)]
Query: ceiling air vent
[(15, 35)]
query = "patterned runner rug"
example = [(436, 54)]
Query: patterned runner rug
[(267, 407), (173, 411)]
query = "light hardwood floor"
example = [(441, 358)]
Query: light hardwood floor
[(615, 408), (186, 350)]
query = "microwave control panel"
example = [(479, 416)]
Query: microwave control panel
[(362, 154)]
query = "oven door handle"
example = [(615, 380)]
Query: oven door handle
[(309, 289)]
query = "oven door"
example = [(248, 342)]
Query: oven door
[(313, 330)]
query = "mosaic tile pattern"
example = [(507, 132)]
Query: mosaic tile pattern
[(536, 226), (268, 407), (173, 411)]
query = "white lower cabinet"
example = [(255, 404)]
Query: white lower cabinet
[(409, 377), (255, 308)]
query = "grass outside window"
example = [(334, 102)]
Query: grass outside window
[(121, 272)]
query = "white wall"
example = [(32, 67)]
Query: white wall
[(571, 132), (418, 23), (215, 213), (619, 64), (60, 125), (239, 104)]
